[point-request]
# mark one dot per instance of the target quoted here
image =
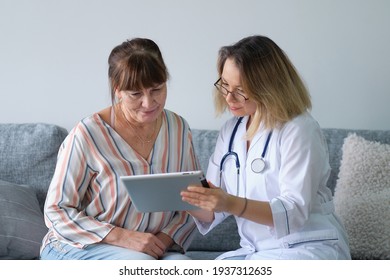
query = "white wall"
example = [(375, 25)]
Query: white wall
[(53, 58)]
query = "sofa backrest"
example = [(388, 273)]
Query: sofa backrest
[(28, 154), (204, 142)]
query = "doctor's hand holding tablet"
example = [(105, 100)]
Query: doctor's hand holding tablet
[(214, 199)]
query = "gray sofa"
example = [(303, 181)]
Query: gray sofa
[(27, 160)]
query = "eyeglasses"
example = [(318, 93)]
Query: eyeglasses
[(238, 95)]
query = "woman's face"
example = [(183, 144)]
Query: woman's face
[(143, 106), (231, 80)]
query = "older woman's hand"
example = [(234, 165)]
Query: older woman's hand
[(147, 243)]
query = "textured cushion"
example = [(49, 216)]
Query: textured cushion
[(28, 154), (335, 140), (362, 197), (22, 225)]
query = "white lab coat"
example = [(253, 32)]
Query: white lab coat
[(294, 182)]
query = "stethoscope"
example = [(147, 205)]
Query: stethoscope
[(258, 164)]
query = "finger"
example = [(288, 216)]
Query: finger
[(189, 194), (191, 200), (158, 252), (153, 254), (195, 196), (197, 189), (199, 203), (160, 245), (154, 251)]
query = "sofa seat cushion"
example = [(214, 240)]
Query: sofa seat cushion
[(222, 238), (362, 197), (204, 255), (22, 225)]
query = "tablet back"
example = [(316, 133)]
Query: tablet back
[(160, 192)]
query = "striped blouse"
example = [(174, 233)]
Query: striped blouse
[(86, 200)]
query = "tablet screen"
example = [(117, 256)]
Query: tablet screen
[(161, 192)]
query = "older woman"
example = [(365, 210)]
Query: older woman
[(88, 213)]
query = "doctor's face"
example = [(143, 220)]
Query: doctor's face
[(231, 83)]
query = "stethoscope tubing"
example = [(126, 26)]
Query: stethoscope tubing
[(258, 164), (230, 152)]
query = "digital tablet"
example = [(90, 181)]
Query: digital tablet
[(161, 192)]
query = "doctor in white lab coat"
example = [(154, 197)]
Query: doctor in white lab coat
[(270, 164)]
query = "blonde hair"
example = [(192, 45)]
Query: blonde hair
[(269, 79)]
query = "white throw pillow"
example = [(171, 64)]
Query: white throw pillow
[(362, 197)]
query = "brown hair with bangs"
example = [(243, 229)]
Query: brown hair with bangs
[(134, 65), (269, 79)]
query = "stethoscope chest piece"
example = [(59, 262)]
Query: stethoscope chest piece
[(258, 165)]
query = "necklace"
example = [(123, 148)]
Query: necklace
[(149, 139)]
